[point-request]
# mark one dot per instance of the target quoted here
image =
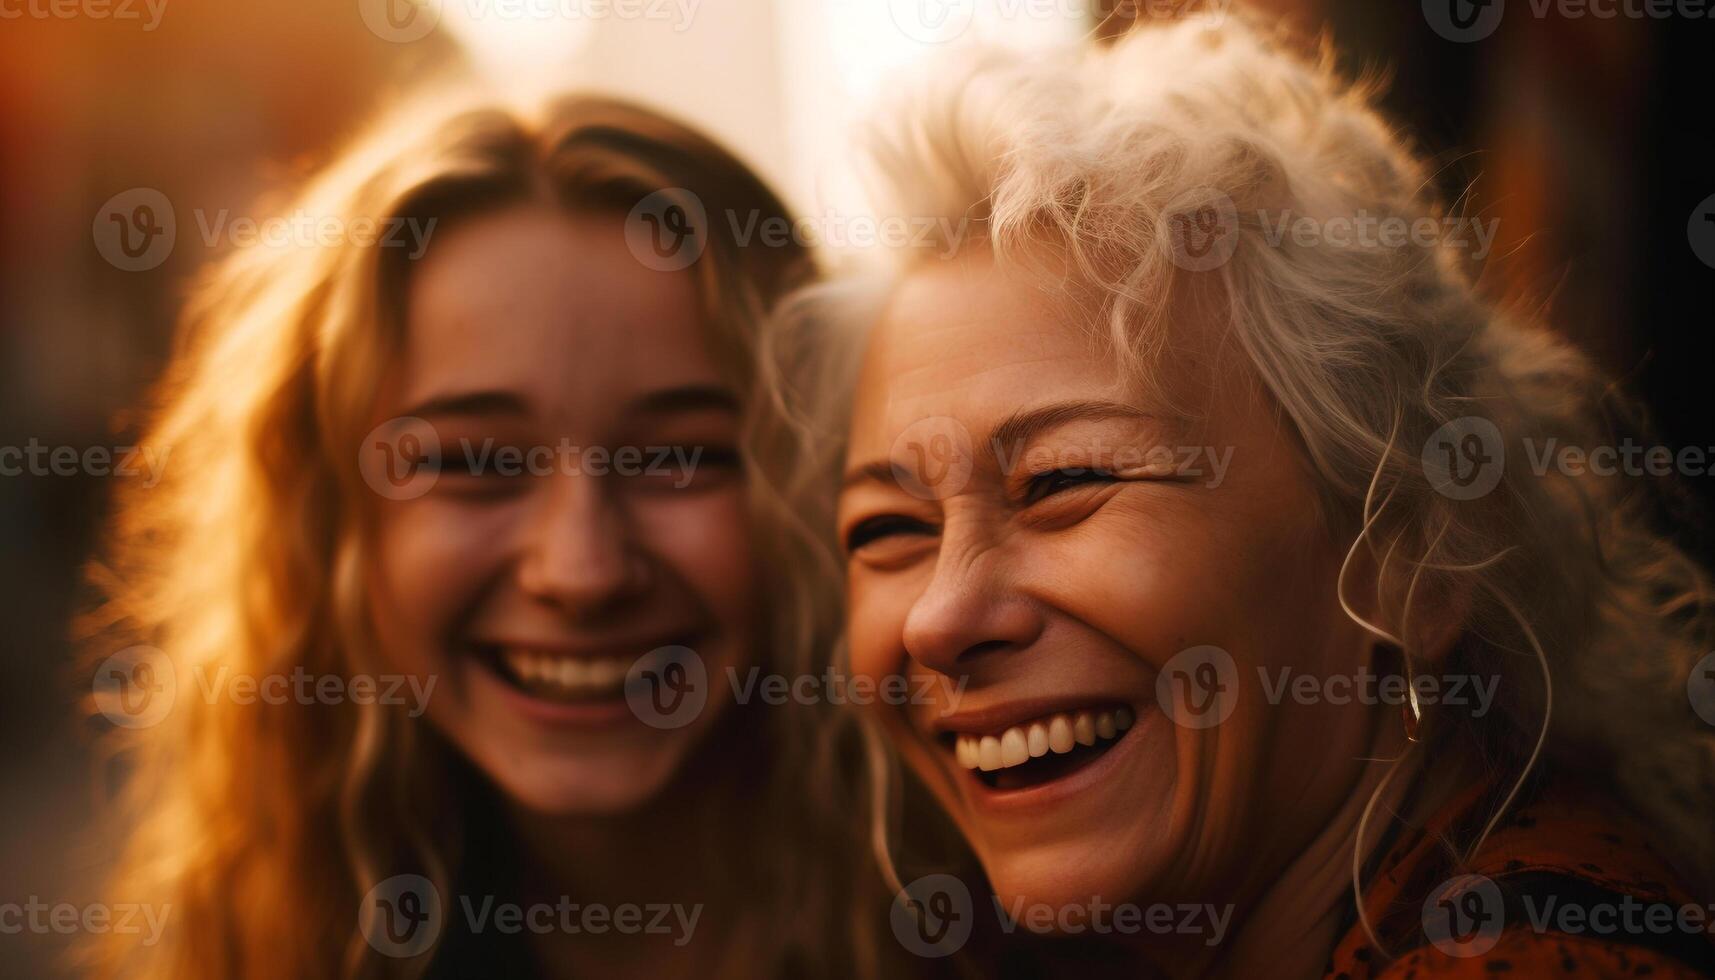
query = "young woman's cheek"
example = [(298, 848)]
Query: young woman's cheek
[(703, 537), (433, 558)]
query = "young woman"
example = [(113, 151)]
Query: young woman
[(1268, 629), (454, 570)]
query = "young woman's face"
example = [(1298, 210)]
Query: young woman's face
[(1019, 519), (588, 509)]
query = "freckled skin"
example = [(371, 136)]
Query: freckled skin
[(1091, 589)]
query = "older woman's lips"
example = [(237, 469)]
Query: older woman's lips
[(1038, 750)]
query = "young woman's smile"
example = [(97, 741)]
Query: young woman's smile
[(536, 576)]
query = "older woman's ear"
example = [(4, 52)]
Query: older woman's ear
[(1418, 610)]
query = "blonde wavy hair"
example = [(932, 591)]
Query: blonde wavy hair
[(1561, 584), (262, 826)]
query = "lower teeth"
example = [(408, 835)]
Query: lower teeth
[(554, 692), (1045, 768)]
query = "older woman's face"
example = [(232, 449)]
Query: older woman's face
[(1019, 520)]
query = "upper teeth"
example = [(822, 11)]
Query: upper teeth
[(572, 673), (1057, 733)]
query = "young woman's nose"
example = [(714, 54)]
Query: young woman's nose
[(581, 553)]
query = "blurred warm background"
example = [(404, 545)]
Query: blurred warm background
[(1574, 131)]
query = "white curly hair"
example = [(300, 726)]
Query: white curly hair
[(1562, 583)]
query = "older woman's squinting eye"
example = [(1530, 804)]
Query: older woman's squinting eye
[(1047, 484)]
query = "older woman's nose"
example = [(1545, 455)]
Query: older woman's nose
[(580, 553), (969, 610)]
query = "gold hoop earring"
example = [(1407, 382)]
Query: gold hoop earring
[(1411, 712)]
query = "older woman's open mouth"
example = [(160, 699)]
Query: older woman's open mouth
[(1037, 748)]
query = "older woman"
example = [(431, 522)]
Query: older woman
[(1203, 473)]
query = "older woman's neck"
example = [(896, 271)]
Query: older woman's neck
[(1293, 926), (1292, 921)]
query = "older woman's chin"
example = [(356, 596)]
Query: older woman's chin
[(1108, 833), (1064, 887), (1135, 861)]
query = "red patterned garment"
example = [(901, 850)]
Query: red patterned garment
[(1562, 888)]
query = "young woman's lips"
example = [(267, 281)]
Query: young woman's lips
[(1035, 753), (570, 687)]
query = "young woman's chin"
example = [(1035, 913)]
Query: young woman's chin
[(596, 756), (594, 782)]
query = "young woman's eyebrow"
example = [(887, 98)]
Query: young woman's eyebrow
[(880, 471), (687, 398), (487, 402)]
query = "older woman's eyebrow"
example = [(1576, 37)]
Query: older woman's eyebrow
[(1021, 425), (1017, 428)]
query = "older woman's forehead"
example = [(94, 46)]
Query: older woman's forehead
[(975, 340)]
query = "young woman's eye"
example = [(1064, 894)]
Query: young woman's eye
[(714, 457), (1044, 485), (682, 466), (885, 526)]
